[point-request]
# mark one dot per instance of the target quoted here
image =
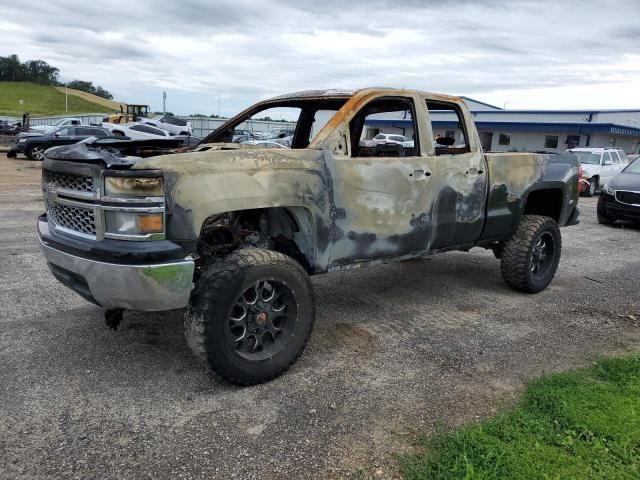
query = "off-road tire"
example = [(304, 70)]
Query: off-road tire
[(30, 151), (212, 300), (517, 255), (603, 218)]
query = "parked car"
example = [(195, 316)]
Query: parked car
[(8, 128), (63, 122), (173, 125), (241, 136), (276, 133), (34, 145), (265, 143), (599, 165), (384, 138), (136, 131), (620, 198), (234, 233)]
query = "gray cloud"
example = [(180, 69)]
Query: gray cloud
[(243, 50)]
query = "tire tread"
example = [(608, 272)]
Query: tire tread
[(515, 255), (206, 297)]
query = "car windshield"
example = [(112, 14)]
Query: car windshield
[(59, 122), (633, 167), (588, 158)]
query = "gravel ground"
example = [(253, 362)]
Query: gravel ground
[(398, 349)]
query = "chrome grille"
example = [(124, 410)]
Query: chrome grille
[(79, 183), (630, 198), (74, 218)]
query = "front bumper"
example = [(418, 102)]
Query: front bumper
[(608, 206), (165, 285)]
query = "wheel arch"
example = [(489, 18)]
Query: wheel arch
[(290, 229), (547, 201)]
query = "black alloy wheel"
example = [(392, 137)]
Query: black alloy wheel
[(262, 319)]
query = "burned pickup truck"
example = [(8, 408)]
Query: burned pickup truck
[(233, 231)]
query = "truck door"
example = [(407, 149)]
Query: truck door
[(459, 185), (380, 194)]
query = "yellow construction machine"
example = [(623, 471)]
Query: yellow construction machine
[(134, 113)]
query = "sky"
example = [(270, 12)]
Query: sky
[(221, 56)]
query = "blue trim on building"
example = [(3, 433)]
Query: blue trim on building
[(558, 112)]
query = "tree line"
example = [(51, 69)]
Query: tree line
[(39, 71)]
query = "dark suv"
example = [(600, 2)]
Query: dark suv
[(34, 146)]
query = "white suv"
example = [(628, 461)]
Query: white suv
[(383, 138), (599, 165)]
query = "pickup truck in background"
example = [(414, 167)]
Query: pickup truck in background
[(62, 122), (233, 231), (599, 166)]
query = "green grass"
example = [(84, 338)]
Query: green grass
[(41, 100), (577, 425)]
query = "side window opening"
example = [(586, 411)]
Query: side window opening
[(385, 127), (448, 116)]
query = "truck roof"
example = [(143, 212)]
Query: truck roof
[(347, 93)]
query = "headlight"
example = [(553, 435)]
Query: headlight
[(608, 190), (133, 186), (133, 223), (22, 140)]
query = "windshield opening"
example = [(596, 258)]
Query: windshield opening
[(588, 158), (288, 123)]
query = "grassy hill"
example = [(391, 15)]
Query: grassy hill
[(110, 104), (41, 100)]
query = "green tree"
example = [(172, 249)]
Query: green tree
[(11, 69), (88, 87)]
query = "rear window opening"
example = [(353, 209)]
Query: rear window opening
[(450, 136)]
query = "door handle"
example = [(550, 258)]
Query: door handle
[(474, 171)]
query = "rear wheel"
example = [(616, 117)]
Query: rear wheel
[(530, 259), (36, 152), (250, 315)]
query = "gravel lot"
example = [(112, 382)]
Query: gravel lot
[(398, 349)]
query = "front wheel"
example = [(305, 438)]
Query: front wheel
[(250, 315), (530, 259), (36, 152), (601, 212), (593, 187)]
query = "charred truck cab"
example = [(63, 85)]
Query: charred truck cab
[(233, 231)]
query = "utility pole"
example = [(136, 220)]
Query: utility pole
[(164, 103), (66, 98)]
